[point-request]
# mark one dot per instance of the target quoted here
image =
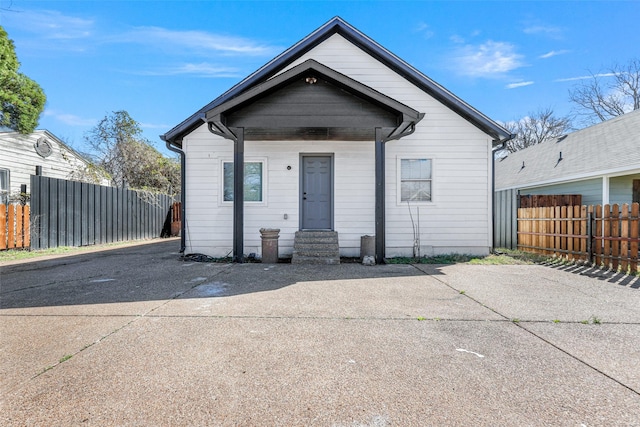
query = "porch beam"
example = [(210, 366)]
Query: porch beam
[(238, 195), (380, 197)]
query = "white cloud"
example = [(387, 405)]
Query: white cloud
[(196, 41), (425, 30), (202, 69), (546, 30), (155, 126), (519, 84), (51, 24), (571, 79), (553, 53), (490, 59), (70, 119)]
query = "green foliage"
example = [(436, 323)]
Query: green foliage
[(438, 259), (131, 160), (21, 99)]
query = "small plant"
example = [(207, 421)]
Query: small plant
[(515, 320), (65, 358), (420, 318), (594, 320), (462, 292), (556, 320), (437, 319)]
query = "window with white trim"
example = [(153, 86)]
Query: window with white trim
[(415, 180), (4, 185), (253, 181)]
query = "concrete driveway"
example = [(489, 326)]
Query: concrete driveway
[(135, 336)]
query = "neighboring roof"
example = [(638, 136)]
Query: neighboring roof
[(611, 147), (339, 26)]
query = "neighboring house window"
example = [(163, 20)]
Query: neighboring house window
[(415, 180), (253, 181), (4, 186)]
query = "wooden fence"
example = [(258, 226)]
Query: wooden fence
[(70, 213), (14, 226), (606, 235), (544, 200), (176, 218)]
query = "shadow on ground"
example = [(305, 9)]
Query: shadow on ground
[(156, 271)]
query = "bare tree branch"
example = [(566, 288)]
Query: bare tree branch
[(535, 128), (608, 95)]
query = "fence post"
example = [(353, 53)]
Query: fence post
[(590, 235)]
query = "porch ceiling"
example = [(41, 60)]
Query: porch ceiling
[(312, 102)]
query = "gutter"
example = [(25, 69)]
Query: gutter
[(183, 221)]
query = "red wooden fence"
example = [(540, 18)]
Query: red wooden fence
[(176, 219), (14, 227), (606, 235)]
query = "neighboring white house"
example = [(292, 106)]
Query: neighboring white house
[(21, 154), (337, 133), (600, 162)]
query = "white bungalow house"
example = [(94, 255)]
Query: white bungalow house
[(337, 135), (22, 154)]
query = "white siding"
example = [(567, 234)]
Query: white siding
[(20, 157), (457, 220), (210, 222)]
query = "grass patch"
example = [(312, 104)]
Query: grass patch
[(438, 259), (18, 254), (500, 257)]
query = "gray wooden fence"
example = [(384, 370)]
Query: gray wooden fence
[(71, 213), (505, 211)]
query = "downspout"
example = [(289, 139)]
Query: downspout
[(183, 193)]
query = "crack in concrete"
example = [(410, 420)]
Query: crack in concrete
[(520, 324)]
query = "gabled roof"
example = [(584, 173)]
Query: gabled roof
[(312, 112), (339, 26), (611, 147)]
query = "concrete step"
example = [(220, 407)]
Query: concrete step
[(316, 247), (313, 246), (298, 259)]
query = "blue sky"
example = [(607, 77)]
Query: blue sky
[(163, 60)]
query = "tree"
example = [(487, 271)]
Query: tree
[(535, 128), (129, 158), (608, 94), (21, 99)]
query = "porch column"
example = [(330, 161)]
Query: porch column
[(238, 195), (380, 198)]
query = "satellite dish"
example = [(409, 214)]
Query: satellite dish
[(43, 147)]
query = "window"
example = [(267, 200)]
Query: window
[(253, 188), (4, 186), (415, 180)]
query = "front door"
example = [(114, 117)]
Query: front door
[(316, 198)]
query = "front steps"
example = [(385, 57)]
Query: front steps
[(316, 247)]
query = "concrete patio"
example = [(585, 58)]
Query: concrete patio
[(136, 336)]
